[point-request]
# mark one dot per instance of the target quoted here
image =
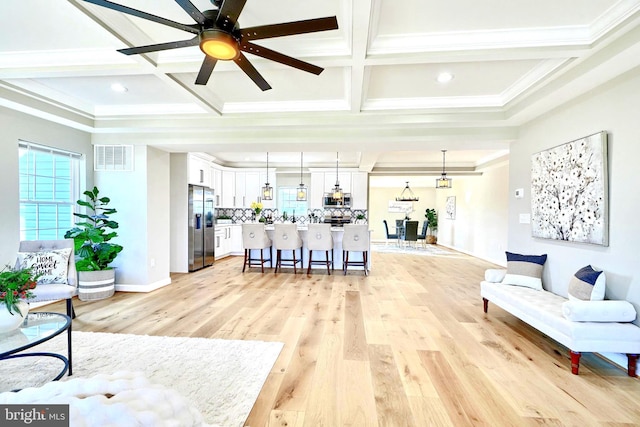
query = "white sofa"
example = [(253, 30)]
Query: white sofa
[(544, 311)]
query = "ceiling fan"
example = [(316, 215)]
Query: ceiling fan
[(220, 38)]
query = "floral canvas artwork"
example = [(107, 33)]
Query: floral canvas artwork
[(451, 207), (569, 191)]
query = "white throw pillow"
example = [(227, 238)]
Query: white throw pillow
[(52, 265), (494, 275), (599, 311)]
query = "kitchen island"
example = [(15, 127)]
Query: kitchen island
[(336, 232)]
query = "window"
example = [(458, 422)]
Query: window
[(49, 188), (287, 202)]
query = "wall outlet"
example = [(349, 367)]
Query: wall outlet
[(525, 218), (152, 261)]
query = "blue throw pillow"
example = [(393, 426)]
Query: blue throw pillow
[(524, 270), (587, 284)]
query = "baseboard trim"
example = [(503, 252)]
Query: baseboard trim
[(143, 288)]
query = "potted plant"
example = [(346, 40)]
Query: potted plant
[(15, 290), (94, 250), (432, 218), (360, 218), (256, 207)]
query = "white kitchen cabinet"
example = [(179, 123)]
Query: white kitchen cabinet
[(224, 240), (236, 246), (253, 187), (199, 171), (216, 184), (359, 190), (240, 190), (228, 193), (316, 190), (343, 177)]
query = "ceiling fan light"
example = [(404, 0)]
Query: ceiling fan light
[(218, 44)]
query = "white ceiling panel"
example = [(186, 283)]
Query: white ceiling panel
[(377, 102)]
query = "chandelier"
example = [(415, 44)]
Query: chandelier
[(443, 181), (407, 195), (337, 194), (267, 190), (301, 193)]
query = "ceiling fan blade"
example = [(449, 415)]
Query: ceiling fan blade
[(205, 70), (140, 14), (250, 71), (290, 28), (279, 57), (160, 46), (229, 12), (193, 11)]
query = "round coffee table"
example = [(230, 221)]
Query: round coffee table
[(37, 328)]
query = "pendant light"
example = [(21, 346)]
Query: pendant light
[(443, 181), (267, 190), (336, 194), (301, 193), (407, 195)]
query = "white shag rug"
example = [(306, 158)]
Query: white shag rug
[(222, 378)]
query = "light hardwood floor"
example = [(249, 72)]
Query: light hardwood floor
[(407, 346)]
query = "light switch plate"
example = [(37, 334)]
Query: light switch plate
[(519, 193)]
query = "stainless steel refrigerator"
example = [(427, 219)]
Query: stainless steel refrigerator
[(201, 227)]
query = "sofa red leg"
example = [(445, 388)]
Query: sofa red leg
[(632, 363), (486, 304), (575, 362)]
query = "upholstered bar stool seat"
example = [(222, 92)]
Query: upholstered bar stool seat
[(356, 239), (319, 238), (254, 237), (287, 238), (59, 284)]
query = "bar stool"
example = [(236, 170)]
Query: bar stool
[(254, 237), (287, 238), (356, 239), (319, 238)]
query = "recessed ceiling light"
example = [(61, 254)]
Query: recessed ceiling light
[(117, 87), (445, 77)]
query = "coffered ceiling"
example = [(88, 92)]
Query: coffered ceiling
[(377, 102)]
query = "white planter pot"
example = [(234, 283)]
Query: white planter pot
[(12, 321), (96, 285)]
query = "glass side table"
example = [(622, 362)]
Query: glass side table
[(37, 328)]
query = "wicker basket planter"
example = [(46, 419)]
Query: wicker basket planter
[(96, 285)]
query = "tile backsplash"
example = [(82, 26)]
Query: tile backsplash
[(240, 215)]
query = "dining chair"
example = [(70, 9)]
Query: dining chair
[(355, 239), (287, 238), (423, 234), (319, 238), (386, 232), (254, 237), (410, 231)]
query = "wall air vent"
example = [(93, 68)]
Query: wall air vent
[(113, 158)]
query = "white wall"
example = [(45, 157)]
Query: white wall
[(158, 217), (141, 198), (16, 126), (614, 108), (480, 224), (179, 213)]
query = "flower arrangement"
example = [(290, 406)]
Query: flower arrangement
[(16, 285), (256, 207)]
